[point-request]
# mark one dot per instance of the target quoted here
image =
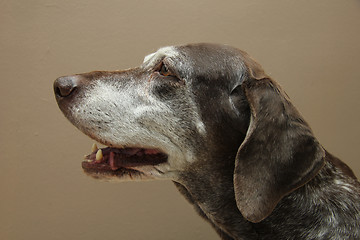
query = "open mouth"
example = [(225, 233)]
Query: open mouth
[(117, 161)]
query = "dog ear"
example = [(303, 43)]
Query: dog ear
[(279, 153)]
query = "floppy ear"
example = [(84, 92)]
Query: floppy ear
[(279, 153)]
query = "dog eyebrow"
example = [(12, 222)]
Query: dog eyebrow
[(147, 58), (153, 58)]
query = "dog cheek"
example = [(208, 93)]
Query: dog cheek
[(166, 91)]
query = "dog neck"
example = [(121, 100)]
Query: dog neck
[(213, 199)]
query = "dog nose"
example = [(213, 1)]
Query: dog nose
[(65, 86)]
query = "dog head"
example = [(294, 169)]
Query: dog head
[(190, 107)]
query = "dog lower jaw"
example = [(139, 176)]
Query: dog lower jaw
[(121, 174)]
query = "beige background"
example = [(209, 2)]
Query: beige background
[(311, 47)]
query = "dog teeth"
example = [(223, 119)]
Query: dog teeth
[(99, 155), (94, 147)]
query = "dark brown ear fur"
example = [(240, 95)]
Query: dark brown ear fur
[(279, 153)]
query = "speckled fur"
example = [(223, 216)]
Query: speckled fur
[(238, 149)]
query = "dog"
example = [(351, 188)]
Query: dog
[(209, 118)]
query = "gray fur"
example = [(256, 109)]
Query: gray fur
[(237, 148)]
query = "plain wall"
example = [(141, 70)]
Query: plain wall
[(312, 48)]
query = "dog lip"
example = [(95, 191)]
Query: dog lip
[(113, 159)]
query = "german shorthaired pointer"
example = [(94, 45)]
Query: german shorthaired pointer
[(208, 118)]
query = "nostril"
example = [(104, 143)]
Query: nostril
[(57, 91), (64, 86), (64, 91)]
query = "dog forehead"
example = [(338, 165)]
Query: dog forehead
[(153, 58)]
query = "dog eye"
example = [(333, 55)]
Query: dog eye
[(165, 71)]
